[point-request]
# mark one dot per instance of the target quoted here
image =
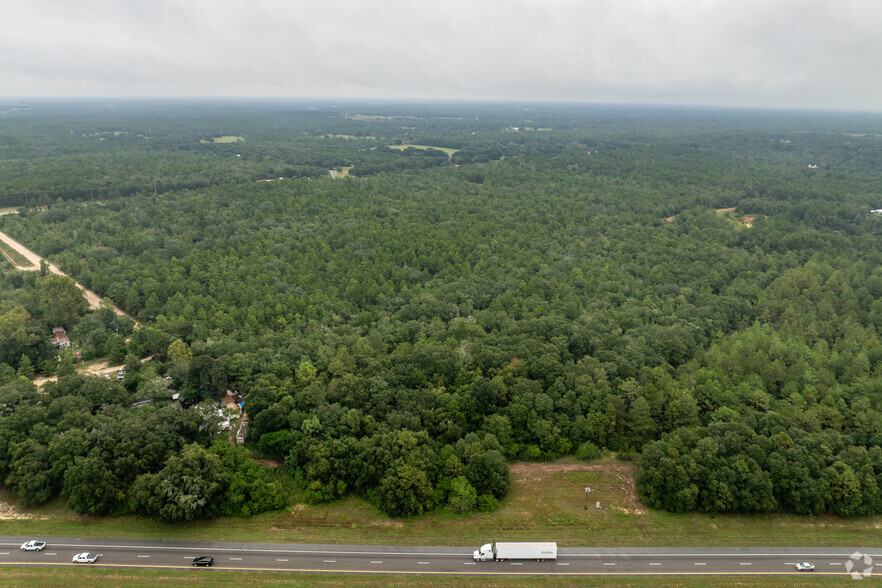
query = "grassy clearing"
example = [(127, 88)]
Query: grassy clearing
[(547, 502), (740, 221), (331, 136), (110, 578), (372, 117), (446, 150), (14, 256), (224, 139)]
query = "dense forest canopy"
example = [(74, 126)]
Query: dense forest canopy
[(696, 289)]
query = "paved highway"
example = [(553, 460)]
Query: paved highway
[(373, 559)]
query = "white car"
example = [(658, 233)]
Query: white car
[(805, 566), (85, 558), (33, 546)]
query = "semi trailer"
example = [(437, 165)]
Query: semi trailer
[(504, 551)]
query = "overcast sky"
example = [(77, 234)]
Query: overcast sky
[(763, 53)]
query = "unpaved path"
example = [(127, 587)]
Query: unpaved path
[(100, 368), (522, 472), (93, 299)]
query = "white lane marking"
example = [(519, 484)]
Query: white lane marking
[(563, 564), (281, 560), (745, 563), (789, 563), (517, 563), (609, 564), (236, 558), (4, 553), (52, 553), (143, 556), (469, 563), (835, 564), (700, 564), (330, 561), (376, 562), (423, 563), (655, 564)]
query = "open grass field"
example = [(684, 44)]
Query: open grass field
[(330, 136), (739, 220), (372, 117), (14, 256), (110, 578), (446, 150), (224, 139), (547, 502)]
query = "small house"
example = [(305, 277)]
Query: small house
[(59, 338)]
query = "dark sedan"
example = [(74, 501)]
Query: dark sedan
[(204, 561)]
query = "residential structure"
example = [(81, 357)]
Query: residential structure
[(59, 338)]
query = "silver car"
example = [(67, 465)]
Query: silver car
[(805, 566), (33, 546)]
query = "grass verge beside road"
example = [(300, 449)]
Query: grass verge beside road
[(100, 578), (14, 256), (547, 502)]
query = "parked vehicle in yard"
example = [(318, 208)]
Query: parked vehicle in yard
[(33, 546), (85, 558), (204, 561), (504, 551), (805, 566)]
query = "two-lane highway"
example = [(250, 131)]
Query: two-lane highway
[(292, 558)]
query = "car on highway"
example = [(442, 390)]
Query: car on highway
[(33, 546), (204, 561), (85, 557), (805, 566)]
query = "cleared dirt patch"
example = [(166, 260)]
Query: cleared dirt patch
[(536, 473)]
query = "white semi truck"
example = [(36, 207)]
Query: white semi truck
[(504, 551)]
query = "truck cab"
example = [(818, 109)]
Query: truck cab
[(484, 553)]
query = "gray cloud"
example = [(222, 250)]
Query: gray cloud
[(777, 53)]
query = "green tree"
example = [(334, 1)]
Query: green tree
[(61, 302), (462, 497), (25, 369), (92, 488), (189, 487), (179, 353), (488, 473), (405, 491)]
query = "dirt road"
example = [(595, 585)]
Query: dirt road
[(102, 368), (93, 299)]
